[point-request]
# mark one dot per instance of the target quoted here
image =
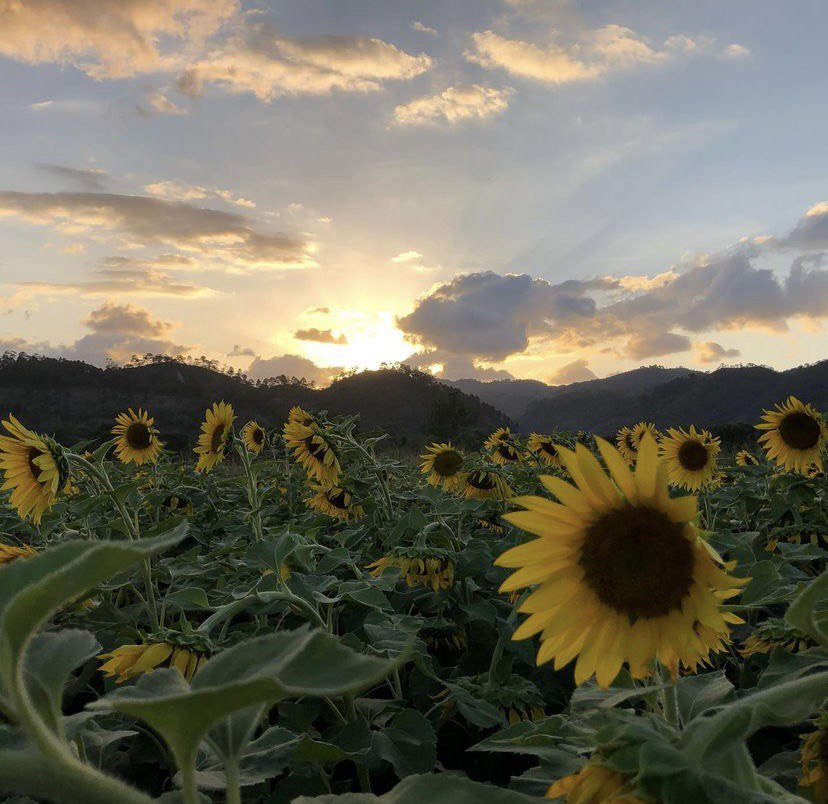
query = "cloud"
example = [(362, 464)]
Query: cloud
[(319, 311), (407, 256), (240, 351), (422, 28), (654, 344), (595, 54), (159, 104), (91, 179), (228, 239), (41, 105), (712, 352), (110, 39), (737, 51), (576, 371), (454, 367), (320, 336), (262, 61), (811, 231), (173, 191), (291, 366), (454, 105)]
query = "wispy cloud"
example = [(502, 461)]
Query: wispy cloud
[(454, 105)]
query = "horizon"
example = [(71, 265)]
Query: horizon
[(535, 189)]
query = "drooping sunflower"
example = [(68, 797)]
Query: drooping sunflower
[(297, 420), (745, 457), (795, 435), (434, 568), (690, 457), (216, 431), (10, 552), (503, 448), (621, 572), (34, 468), (484, 485), (544, 449), (595, 784), (772, 634), (129, 661), (254, 437), (313, 451), (137, 438), (626, 446), (334, 501), (814, 760), (442, 464)]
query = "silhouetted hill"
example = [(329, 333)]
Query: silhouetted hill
[(726, 396), (76, 401), (514, 397)]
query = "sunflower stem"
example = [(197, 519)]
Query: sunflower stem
[(231, 776), (669, 697), (362, 771)]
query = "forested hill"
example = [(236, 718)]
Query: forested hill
[(727, 396), (76, 401)]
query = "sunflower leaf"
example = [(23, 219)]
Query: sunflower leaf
[(805, 613)]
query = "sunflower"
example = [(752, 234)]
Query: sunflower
[(690, 457), (772, 634), (129, 661), (814, 760), (334, 501), (594, 784), (137, 439), (503, 448), (544, 449), (745, 457), (640, 430), (484, 485), (9, 552), (626, 446), (814, 472), (178, 505), (434, 569), (34, 468), (253, 437), (621, 573), (313, 450), (215, 436), (795, 437), (296, 420), (442, 464)]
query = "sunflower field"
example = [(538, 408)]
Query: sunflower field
[(295, 615)]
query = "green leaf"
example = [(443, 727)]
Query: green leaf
[(697, 694), (805, 613), (408, 743)]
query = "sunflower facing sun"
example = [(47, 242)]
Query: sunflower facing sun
[(690, 457), (503, 448), (254, 437), (442, 464), (544, 449), (796, 435), (620, 572), (137, 439), (34, 470), (216, 431)]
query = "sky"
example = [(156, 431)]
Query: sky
[(542, 189)]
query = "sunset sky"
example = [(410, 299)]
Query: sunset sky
[(535, 188)]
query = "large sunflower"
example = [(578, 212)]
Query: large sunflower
[(313, 450), (33, 468), (334, 501), (484, 485), (254, 437), (795, 437), (216, 431), (442, 463), (746, 458), (690, 457), (544, 449), (502, 445), (594, 784), (621, 572), (137, 438)]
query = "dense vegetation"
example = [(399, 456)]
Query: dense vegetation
[(307, 619)]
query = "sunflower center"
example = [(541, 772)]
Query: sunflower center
[(481, 480), (217, 440), (638, 562), (507, 452), (258, 436), (629, 440), (447, 463), (549, 448), (692, 455), (33, 467), (138, 436), (799, 430), (315, 450), (338, 499)]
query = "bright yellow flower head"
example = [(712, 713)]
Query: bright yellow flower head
[(690, 457), (619, 571), (594, 784), (216, 430), (503, 448), (335, 502), (795, 435), (32, 469), (483, 485), (313, 450), (626, 446), (253, 437), (129, 661), (544, 448), (137, 438), (435, 571), (442, 464)]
